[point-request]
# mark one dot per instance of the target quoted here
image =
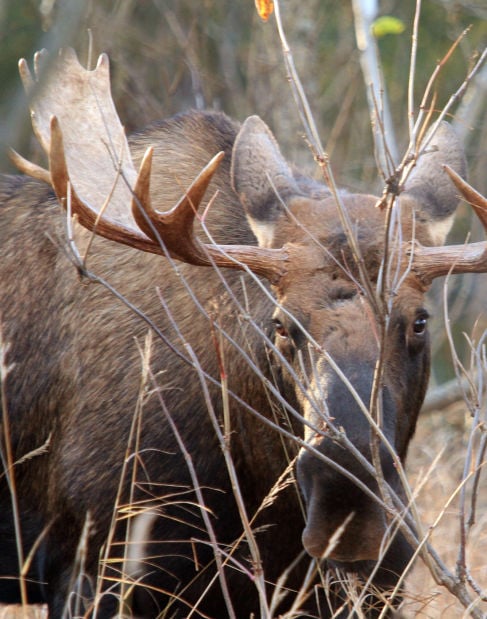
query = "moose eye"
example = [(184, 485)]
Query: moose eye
[(280, 329), (420, 323)]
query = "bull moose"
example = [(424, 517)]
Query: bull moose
[(289, 342)]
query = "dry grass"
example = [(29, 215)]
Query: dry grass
[(13, 611), (444, 432)]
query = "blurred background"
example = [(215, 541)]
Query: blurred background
[(171, 55)]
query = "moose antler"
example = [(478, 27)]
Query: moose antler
[(432, 262), (90, 164)]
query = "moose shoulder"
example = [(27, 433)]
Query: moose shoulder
[(271, 292)]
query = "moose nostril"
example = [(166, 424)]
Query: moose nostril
[(319, 539), (350, 541), (313, 543)]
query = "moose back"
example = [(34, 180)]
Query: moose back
[(116, 460)]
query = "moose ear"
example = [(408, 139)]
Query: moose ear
[(434, 195), (261, 178)]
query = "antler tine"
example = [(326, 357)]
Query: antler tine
[(87, 216), (27, 167), (432, 262), (471, 195), (174, 228), (32, 85)]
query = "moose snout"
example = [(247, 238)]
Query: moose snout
[(345, 520), (343, 523), (355, 535)]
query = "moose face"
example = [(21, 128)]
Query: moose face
[(351, 328), (328, 335)]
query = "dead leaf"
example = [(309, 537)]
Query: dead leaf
[(264, 8)]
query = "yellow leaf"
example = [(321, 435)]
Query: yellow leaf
[(387, 25), (264, 8)]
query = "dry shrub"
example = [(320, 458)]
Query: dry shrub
[(446, 433)]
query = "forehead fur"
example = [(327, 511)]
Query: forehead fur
[(320, 219), (313, 231)]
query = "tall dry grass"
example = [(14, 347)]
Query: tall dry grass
[(437, 455)]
